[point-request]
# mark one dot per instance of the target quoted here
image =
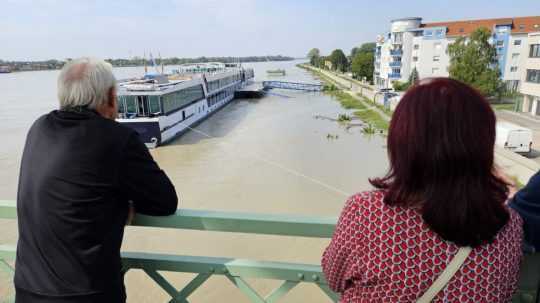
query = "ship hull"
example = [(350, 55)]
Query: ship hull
[(164, 129)]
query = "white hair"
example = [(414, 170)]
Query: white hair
[(85, 82)]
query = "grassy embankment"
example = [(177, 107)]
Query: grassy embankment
[(364, 110), (503, 106)]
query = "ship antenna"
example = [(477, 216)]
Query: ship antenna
[(144, 60), (161, 61), (154, 62)]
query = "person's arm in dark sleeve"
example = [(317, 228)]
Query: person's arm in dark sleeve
[(144, 183), (527, 203)]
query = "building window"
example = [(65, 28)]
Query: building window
[(415, 59), (517, 42), (461, 30), (436, 58), (416, 46), (438, 32), (535, 51), (513, 69), (515, 56), (428, 33), (533, 75), (435, 71), (500, 43), (398, 38)]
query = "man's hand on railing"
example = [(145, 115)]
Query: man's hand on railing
[(131, 214), (512, 187)]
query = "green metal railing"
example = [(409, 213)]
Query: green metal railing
[(237, 270)]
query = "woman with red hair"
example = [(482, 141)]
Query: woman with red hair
[(436, 229)]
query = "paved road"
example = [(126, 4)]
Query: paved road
[(525, 120)]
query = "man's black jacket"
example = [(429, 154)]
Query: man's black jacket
[(78, 173)]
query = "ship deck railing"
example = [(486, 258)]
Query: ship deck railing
[(238, 270)]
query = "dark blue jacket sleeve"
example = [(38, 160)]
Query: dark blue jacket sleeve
[(527, 203)]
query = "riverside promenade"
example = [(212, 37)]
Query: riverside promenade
[(352, 87), (514, 165)]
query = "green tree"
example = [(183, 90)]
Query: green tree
[(413, 77), (364, 48), (362, 61), (473, 60), (320, 63), (354, 52), (339, 60), (367, 47), (362, 66), (314, 52), (400, 86), (314, 56)]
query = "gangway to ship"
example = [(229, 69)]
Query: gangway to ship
[(292, 85)]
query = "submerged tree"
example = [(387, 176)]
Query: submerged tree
[(473, 60)]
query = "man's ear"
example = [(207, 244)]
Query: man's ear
[(111, 96)]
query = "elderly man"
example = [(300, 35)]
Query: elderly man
[(81, 172)]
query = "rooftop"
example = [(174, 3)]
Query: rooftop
[(519, 25)]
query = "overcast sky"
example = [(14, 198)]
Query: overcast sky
[(59, 29)]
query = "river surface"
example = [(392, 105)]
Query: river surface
[(268, 155)]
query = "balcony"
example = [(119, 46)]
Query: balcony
[(395, 64), (394, 75), (396, 52)]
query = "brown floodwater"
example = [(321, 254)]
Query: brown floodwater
[(268, 155)]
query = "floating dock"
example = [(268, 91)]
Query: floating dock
[(254, 90)]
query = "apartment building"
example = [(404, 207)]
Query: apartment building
[(530, 76), (411, 44)]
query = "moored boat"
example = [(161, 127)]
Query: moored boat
[(161, 107), (276, 72), (5, 69)]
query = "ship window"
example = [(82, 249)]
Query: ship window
[(154, 106), (131, 105), (121, 105), (142, 102), (182, 98)]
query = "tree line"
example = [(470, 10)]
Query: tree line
[(178, 61), (473, 60), (360, 61), (138, 61)]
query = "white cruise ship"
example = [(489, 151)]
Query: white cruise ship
[(161, 107)]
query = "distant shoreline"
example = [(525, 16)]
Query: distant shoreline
[(22, 66)]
